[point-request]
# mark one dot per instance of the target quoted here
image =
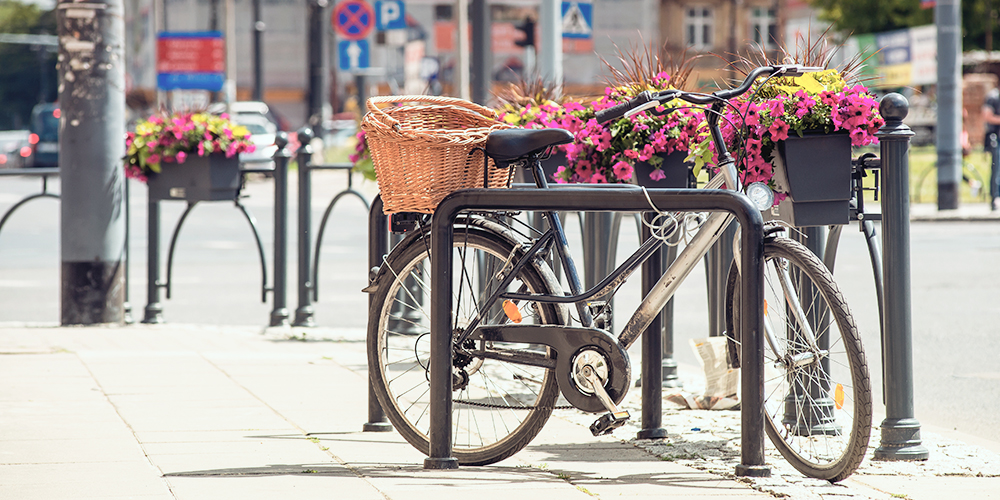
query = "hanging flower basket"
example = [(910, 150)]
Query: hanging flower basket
[(200, 178), (815, 171), (187, 156)]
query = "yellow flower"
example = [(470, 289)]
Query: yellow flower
[(813, 83)]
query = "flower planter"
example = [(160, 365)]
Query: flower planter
[(200, 178), (815, 171), (674, 168)]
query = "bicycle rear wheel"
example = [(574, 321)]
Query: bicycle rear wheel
[(817, 394), (498, 406)]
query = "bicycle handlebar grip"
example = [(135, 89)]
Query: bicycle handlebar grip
[(618, 111)]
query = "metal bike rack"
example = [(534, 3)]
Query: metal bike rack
[(45, 173), (591, 199), (378, 247), (308, 284), (279, 313)]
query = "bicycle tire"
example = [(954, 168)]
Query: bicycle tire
[(824, 428), (916, 194), (502, 406)]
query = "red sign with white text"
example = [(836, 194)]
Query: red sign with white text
[(190, 55)]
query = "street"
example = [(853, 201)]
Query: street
[(217, 281)]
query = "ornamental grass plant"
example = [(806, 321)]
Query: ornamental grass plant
[(608, 153)]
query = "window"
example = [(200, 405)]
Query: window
[(763, 28), (698, 27), (442, 12)]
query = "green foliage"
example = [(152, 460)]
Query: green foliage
[(978, 18), (865, 16), (24, 66)]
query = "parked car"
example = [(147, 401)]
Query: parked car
[(15, 147), (247, 108), (262, 134), (44, 136)]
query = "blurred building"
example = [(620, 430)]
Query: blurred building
[(422, 57)]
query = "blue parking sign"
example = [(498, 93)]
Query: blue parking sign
[(390, 15)]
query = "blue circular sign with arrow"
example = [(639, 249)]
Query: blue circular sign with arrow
[(353, 19)]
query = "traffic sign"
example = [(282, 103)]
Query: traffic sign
[(352, 54), (577, 19), (190, 60), (353, 19), (390, 15)]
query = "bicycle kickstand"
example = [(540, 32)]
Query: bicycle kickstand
[(615, 417)]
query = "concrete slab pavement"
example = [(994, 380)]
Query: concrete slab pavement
[(190, 412), (184, 412)]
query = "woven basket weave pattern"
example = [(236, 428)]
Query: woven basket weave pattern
[(425, 148)]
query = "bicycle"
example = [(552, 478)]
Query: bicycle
[(506, 382), (925, 185)]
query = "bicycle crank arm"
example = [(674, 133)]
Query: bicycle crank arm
[(615, 417), (569, 343)]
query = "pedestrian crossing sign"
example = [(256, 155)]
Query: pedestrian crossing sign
[(577, 19)]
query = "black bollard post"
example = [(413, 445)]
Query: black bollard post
[(304, 313), (717, 263), (900, 430), (668, 365), (378, 246), (652, 349), (600, 246), (279, 313), (154, 309)]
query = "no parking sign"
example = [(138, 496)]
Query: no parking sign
[(353, 19)]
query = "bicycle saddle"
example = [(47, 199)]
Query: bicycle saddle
[(514, 143)]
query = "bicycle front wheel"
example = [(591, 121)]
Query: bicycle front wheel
[(817, 391), (498, 405)]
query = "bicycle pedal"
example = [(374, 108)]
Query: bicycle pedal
[(609, 422)]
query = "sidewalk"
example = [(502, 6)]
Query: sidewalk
[(191, 412), (928, 212)]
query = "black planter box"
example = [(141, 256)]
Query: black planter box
[(549, 167), (200, 178), (676, 171), (818, 173)]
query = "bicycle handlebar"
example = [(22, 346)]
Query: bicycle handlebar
[(647, 99)]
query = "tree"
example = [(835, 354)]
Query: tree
[(980, 29), (979, 25), (865, 16), (27, 75)]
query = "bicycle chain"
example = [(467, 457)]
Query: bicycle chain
[(507, 407)]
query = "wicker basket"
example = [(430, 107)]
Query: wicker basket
[(427, 147)]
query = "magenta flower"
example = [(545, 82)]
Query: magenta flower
[(623, 171), (779, 130)]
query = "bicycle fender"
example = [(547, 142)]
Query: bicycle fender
[(567, 342)]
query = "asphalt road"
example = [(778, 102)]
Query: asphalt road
[(217, 280)]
